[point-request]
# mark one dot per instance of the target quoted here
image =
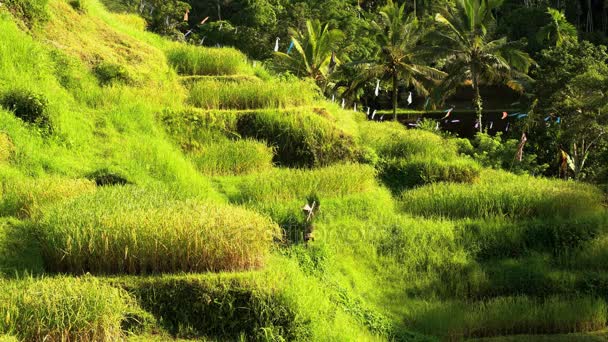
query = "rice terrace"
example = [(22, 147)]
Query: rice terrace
[(303, 170)]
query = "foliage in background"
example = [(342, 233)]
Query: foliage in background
[(500, 153), (313, 53), (474, 55)]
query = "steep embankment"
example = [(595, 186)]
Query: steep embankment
[(165, 182)]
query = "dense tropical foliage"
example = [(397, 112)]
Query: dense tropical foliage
[(221, 170)]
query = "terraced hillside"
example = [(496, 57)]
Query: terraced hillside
[(151, 190)]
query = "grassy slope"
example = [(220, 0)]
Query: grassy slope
[(446, 260)]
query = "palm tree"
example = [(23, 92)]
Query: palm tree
[(402, 57), (315, 52), (473, 56), (559, 30)]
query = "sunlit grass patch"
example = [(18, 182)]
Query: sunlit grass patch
[(24, 197), (213, 94), (294, 184), (135, 231), (61, 309), (228, 157), (502, 194), (392, 140), (7, 148), (194, 60)]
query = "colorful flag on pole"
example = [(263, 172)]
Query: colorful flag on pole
[(449, 112), (520, 148)]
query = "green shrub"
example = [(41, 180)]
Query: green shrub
[(223, 307), (499, 153), (27, 106), (233, 157), (6, 338), (62, 309), (213, 94), (6, 147), (106, 177), (301, 139), (194, 60), (31, 12), (400, 174), (503, 194), (79, 5), (108, 73), (135, 231)]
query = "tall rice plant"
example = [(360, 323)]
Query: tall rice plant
[(62, 309), (133, 231), (194, 60), (504, 195), (212, 94)]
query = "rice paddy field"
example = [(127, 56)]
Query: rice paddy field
[(153, 191)]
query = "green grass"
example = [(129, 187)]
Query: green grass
[(60, 309), (19, 250), (467, 252), (218, 306), (509, 316), (301, 138), (134, 231), (506, 195), (24, 196), (291, 184), (238, 157), (391, 140), (213, 94), (6, 147), (400, 174), (194, 60)]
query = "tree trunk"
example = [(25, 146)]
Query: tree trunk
[(478, 103), (395, 95)]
